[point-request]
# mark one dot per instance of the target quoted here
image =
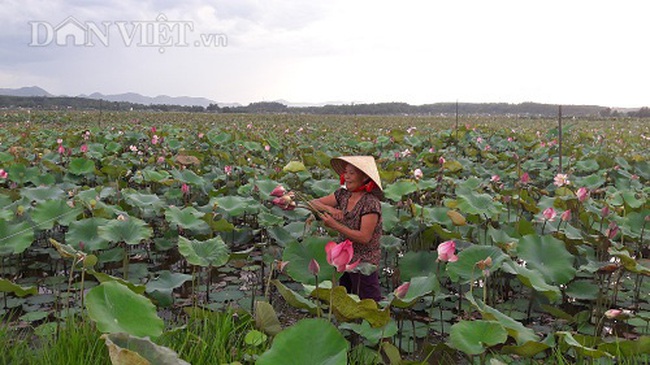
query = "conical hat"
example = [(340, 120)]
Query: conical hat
[(364, 163)]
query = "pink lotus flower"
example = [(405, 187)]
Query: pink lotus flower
[(339, 255), (432, 150), (285, 202), (401, 290), (561, 180), (200, 135), (613, 313), (442, 160), (314, 267), (549, 214), (612, 230), (228, 170), (153, 130), (3, 174), (495, 178), (83, 148), (583, 194), (154, 139), (605, 211), (417, 174), (267, 148), (278, 191), (61, 149), (160, 159), (447, 252), (185, 189), (525, 178), (59, 141), (566, 216)]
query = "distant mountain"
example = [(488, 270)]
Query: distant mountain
[(147, 100), (25, 91)]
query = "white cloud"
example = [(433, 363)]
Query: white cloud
[(416, 51)]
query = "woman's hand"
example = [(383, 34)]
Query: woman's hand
[(329, 220), (335, 213)]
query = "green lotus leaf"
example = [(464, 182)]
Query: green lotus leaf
[(221, 225), (43, 193), (266, 319), (627, 348), (399, 189), (528, 349), (294, 299), (150, 175), (86, 231), (593, 181), (583, 290), (294, 166), (549, 256), (209, 253), (267, 219), (629, 262), (218, 138), (532, 279), (587, 166), (347, 309), (7, 286), (300, 255), (465, 269), (255, 338), (568, 339), (103, 277), (81, 166), (145, 202), (15, 237), (131, 231), (280, 235), (452, 165), (390, 242), (235, 206), (372, 335), (474, 337), (419, 287), (389, 216), (124, 349), (162, 286), (46, 213), (115, 308), (21, 174), (470, 202), (418, 263), (516, 329), (324, 187), (188, 176), (187, 218), (265, 187), (326, 345)]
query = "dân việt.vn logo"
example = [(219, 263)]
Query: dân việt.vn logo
[(161, 33)]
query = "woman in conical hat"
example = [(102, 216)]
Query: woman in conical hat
[(354, 210)]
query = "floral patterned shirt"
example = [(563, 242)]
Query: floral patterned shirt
[(367, 204)]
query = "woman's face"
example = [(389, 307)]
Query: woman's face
[(354, 177)]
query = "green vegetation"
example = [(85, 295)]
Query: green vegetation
[(155, 233)]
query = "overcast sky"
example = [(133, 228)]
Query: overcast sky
[(568, 52)]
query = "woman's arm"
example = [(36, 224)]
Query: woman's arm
[(327, 204), (363, 235)]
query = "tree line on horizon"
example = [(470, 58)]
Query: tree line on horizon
[(529, 109)]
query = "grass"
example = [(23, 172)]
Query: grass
[(213, 338)]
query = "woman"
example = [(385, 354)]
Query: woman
[(355, 212)]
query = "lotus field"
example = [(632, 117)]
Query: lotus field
[(154, 236)]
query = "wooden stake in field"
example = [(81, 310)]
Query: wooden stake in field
[(559, 122)]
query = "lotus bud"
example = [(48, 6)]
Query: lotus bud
[(314, 267), (401, 290)]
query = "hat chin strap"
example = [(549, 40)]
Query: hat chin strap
[(367, 187)]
